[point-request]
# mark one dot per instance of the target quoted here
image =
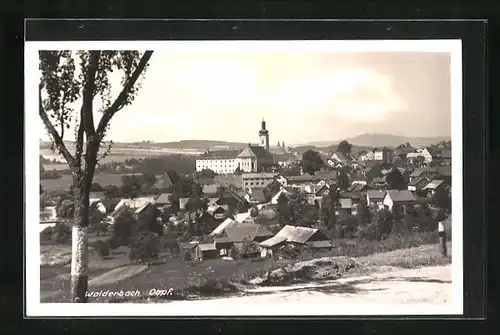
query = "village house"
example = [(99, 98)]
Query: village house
[(417, 184), (165, 181), (444, 158), (218, 212), (298, 237), (282, 195), (434, 186), (164, 200), (345, 208), (261, 179), (402, 153), (256, 195), (240, 236), (300, 180), (424, 172), (232, 200), (375, 197), (135, 203), (341, 159), (394, 199), (220, 229), (206, 251)]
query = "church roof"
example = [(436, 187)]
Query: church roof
[(247, 153)]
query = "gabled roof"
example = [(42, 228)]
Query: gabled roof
[(165, 180), (255, 175), (206, 247), (141, 209), (305, 177), (400, 196), (164, 198), (357, 187), (417, 181), (345, 203), (210, 189), (242, 217), (433, 184), (215, 210), (246, 232), (260, 152), (135, 202), (417, 172), (375, 194), (247, 153), (277, 196), (220, 228)]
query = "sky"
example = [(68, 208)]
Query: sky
[(303, 96)]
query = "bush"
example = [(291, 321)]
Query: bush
[(60, 233), (144, 247), (102, 248)]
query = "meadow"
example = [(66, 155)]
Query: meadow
[(64, 183)]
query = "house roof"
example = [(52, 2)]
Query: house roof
[(247, 153), (207, 247), (135, 202), (400, 196), (241, 217), (357, 187), (210, 189), (164, 198), (417, 181), (417, 172), (215, 209), (305, 177), (212, 201), (257, 194), (404, 151), (117, 212), (330, 175), (228, 179), (322, 188), (255, 175), (165, 180), (260, 152), (345, 203), (433, 184), (277, 196), (376, 194), (144, 207), (246, 232), (97, 195), (220, 228)]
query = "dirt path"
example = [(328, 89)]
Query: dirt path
[(409, 286)]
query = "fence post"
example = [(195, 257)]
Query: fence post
[(442, 238)]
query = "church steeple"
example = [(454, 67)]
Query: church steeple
[(264, 135)]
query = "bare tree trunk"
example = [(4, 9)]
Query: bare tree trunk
[(79, 259)]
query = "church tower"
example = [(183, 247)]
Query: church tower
[(264, 135)]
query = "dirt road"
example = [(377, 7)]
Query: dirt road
[(431, 285)]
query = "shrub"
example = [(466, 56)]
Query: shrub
[(60, 233), (102, 248), (144, 247)]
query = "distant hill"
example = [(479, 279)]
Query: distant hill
[(387, 140), (201, 144), (384, 140)]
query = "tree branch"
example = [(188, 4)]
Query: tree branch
[(79, 142), (87, 113), (120, 100), (58, 142)]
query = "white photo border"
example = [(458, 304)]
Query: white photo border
[(33, 306)]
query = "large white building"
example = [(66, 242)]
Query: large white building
[(254, 158)]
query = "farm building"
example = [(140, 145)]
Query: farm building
[(375, 197), (434, 186), (417, 184), (164, 200), (242, 236), (206, 251), (219, 230), (396, 198), (298, 236), (135, 203)]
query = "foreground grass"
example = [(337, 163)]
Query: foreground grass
[(218, 277)]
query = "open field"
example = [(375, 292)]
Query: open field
[(121, 154), (64, 183)]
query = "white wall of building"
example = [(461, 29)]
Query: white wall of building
[(218, 165)]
